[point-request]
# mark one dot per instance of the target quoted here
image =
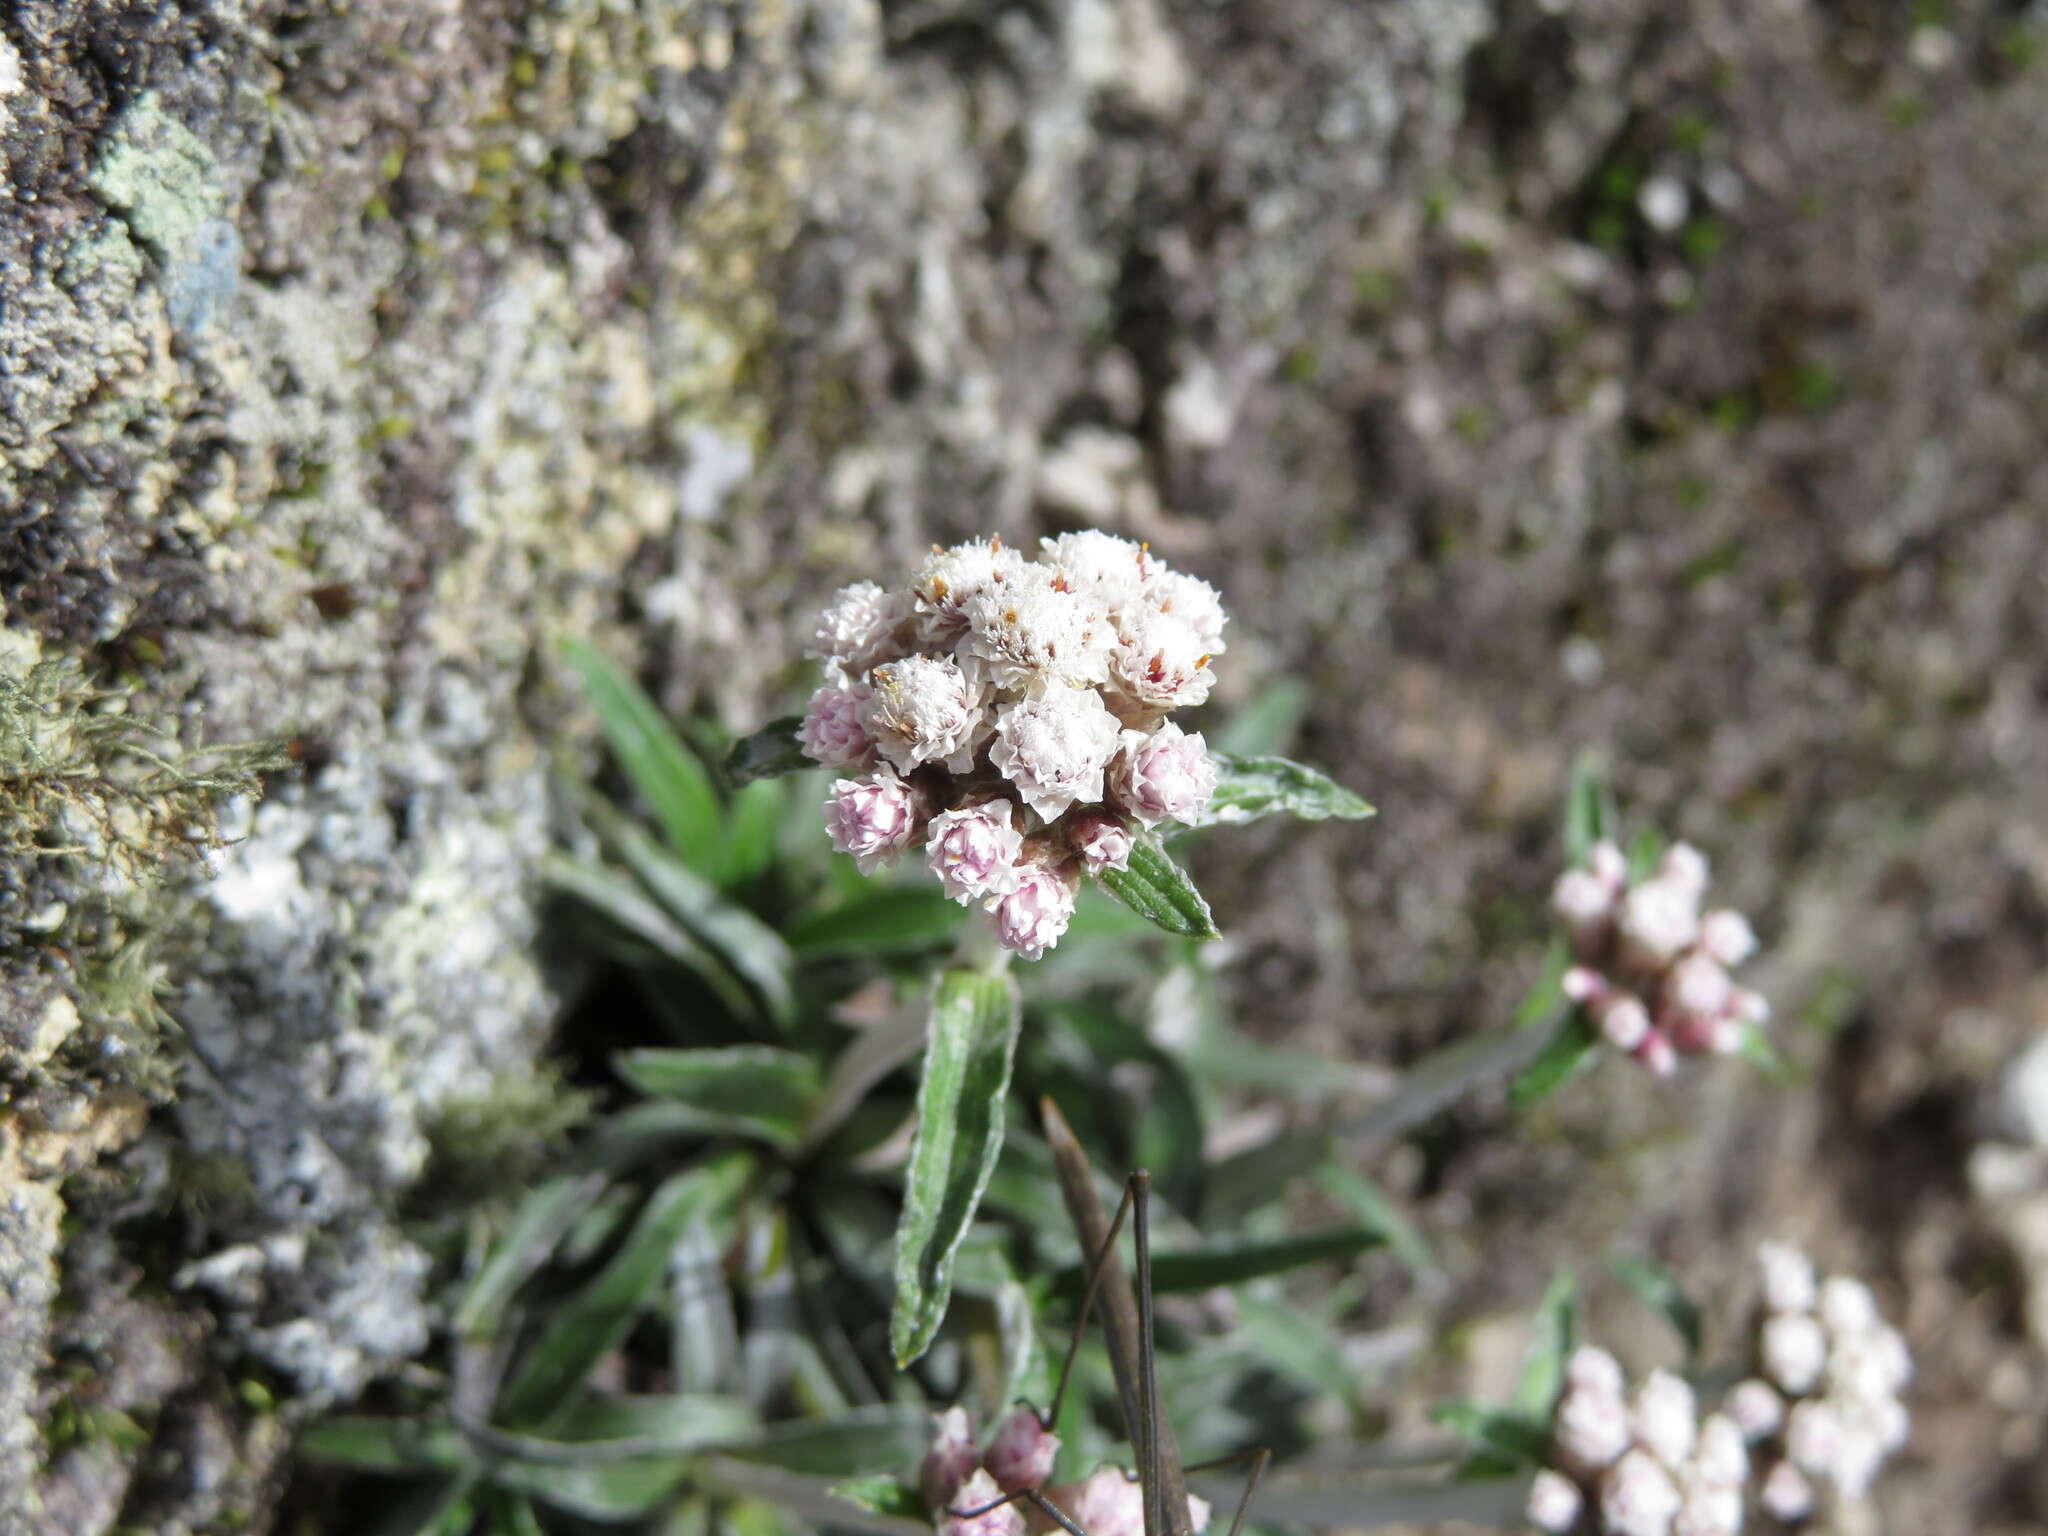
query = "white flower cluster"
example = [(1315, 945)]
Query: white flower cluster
[(1009, 717), (1823, 1412), (1652, 969)]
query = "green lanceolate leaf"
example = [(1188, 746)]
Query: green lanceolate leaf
[(769, 753), (1158, 890), (1569, 1051), (970, 1043), (1250, 787), (1589, 814), (849, 1444), (1372, 1209), (749, 1089), (1233, 1263), (1656, 1289), (373, 1444), (624, 902), (581, 1329), (540, 1222), (1553, 1333), (675, 785), (1505, 1438)]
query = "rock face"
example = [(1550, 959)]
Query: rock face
[(1630, 379)]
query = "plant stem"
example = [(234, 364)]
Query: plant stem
[(977, 949)]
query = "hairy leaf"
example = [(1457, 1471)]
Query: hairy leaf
[(667, 774), (772, 751), (1158, 890), (754, 1090), (1250, 787)]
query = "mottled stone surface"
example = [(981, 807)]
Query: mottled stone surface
[(1530, 376)]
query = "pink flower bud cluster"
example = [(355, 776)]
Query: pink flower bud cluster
[(1651, 969), (963, 1485), (1008, 716), (1823, 1411), (1824, 1408)]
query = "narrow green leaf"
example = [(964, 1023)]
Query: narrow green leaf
[(593, 1321), (374, 1444), (1552, 1337), (1502, 1435), (626, 904), (1545, 999), (772, 751), (753, 829), (1249, 1181), (543, 1217), (1588, 808), (665, 772), (645, 1423), (882, 920), (848, 1445), (1373, 1210), (1569, 1051), (1158, 890), (1644, 851), (605, 1491), (971, 1041), (1656, 1289), (1233, 1263), (882, 1496), (1297, 1342), (1250, 787), (746, 944)]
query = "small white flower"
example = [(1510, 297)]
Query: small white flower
[(1165, 776), (1582, 984), (1872, 1364), (1663, 1418), (1794, 1351), (1859, 1452), (1721, 1457), (1584, 905), (1590, 1430), (1192, 601), (1554, 1502), (1032, 916), (1813, 1436), (1657, 1054), (1101, 839), (1891, 1422), (1755, 1407), (1727, 936), (1160, 664), (1608, 864), (1055, 748), (978, 1493), (1710, 1509), (834, 732), (872, 818), (974, 851), (1659, 919), (947, 581), (857, 628), (1786, 1495), (1751, 1007), (1031, 632), (1114, 568), (1685, 866), (1638, 1497), (924, 709), (1697, 988), (1592, 1369), (1623, 1020), (1847, 1308), (1789, 1284)]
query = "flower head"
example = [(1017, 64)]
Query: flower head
[(1034, 630), (1190, 600), (858, 628), (1661, 1418), (974, 850), (1638, 1497), (1113, 568), (872, 818), (1033, 915), (834, 730), (1100, 839), (981, 1511), (1165, 776), (1054, 748), (1554, 1502), (947, 581), (1022, 1453), (1159, 664), (924, 709)]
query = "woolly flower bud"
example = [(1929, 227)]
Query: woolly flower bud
[(923, 709), (1582, 984), (1584, 903), (1755, 1408), (952, 577), (1166, 776), (1623, 1020), (834, 732), (1591, 1428), (1657, 1054), (1101, 839), (1786, 1495), (950, 1461), (1593, 1369), (1721, 1457), (1031, 918), (1684, 866), (1193, 602), (1847, 1308), (1160, 663), (974, 850), (1662, 1418), (1554, 1502), (979, 1513), (1022, 1453), (1638, 1497), (1751, 1007), (1710, 1509), (1788, 1277), (1696, 987), (1727, 936), (871, 818), (1112, 567), (1031, 632), (1105, 1503), (1813, 1436), (1794, 1351), (1608, 864), (1659, 918), (1055, 747), (856, 628)]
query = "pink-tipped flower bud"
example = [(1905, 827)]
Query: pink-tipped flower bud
[(833, 730), (1710, 1509), (1726, 936), (1554, 1502), (1755, 1407), (1623, 1020), (1101, 839), (1590, 1430), (1584, 905), (1685, 866), (1697, 988), (1786, 1495), (1104, 1503), (1022, 1453), (950, 1460), (1582, 984), (1659, 920), (974, 850), (1721, 1457), (1638, 1497), (1794, 1351), (977, 1509), (1592, 1369), (872, 818), (1657, 1054), (1608, 864), (1166, 776), (1031, 918), (1788, 1278), (1813, 1436), (1662, 1418), (1847, 1307), (1751, 1007)]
